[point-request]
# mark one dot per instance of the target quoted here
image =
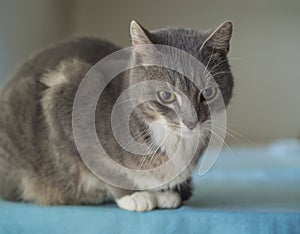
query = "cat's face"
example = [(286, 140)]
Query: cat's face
[(180, 105)]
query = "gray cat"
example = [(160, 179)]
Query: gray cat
[(39, 161)]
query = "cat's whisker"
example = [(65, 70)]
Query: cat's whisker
[(164, 141), (137, 137), (230, 133), (221, 124), (209, 130), (209, 75), (218, 64), (145, 155), (205, 69), (153, 155), (221, 140), (153, 148)]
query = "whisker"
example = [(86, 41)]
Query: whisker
[(230, 133), (152, 147), (137, 137), (210, 57), (165, 140), (209, 75), (221, 140), (223, 61), (145, 155)]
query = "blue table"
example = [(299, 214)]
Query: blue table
[(249, 190)]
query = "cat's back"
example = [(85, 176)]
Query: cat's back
[(20, 97), (24, 87), (21, 111), (86, 49)]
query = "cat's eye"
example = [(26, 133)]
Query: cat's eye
[(208, 94), (166, 97)]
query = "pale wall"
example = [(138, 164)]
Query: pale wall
[(26, 26), (266, 42)]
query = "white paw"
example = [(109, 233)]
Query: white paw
[(138, 201), (168, 199)]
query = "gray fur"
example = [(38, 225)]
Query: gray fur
[(39, 161)]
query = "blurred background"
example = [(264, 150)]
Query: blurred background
[(264, 54)]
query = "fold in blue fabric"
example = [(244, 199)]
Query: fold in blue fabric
[(249, 190)]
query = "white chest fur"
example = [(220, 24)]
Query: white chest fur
[(181, 144)]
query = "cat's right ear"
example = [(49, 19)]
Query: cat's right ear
[(143, 48), (139, 35)]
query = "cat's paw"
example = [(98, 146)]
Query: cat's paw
[(168, 200), (138, 201)]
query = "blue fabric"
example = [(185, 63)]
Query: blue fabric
[(252, 190)]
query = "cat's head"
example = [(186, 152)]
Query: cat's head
[(173, 104)]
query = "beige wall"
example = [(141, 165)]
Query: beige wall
[(266, 42), (26, 26)]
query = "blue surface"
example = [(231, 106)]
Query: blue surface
[(254, 190)]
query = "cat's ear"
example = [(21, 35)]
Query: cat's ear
[(143, 48), (219, 39), (139, 35)]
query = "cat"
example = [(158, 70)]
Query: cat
[(39, 161)]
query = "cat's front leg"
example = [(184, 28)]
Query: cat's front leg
[(148, 200)]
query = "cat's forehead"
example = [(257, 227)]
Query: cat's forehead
[(189, 40), (175, 81), (182, 85)]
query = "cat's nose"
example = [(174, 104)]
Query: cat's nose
[(190, 125)]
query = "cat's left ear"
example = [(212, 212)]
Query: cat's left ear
[(219, 39)]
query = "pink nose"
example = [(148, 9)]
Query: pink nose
[(191, 125)]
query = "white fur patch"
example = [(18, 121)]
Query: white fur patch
[(57, 76), (168, 200), (145, 201), (53, 78), (139, 201), (181, 145)]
